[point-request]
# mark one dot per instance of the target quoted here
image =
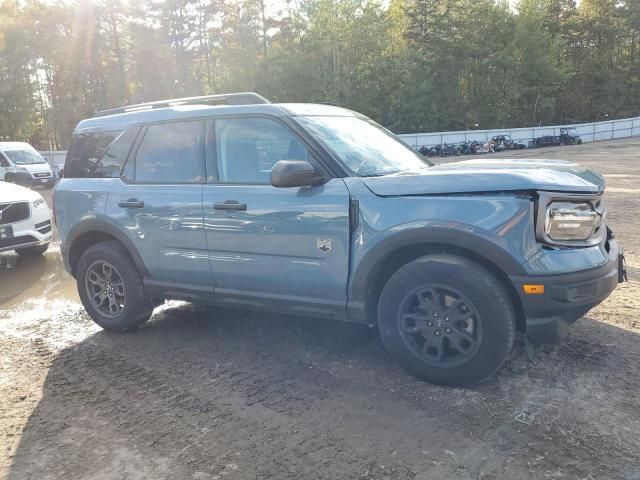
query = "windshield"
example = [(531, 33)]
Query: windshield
[(364, 147), (24, 157)]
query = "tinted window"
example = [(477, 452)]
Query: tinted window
[(171, 153), (247, 149), (110, 165), (3, 161), (87, 149)]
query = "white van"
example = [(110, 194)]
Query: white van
[(21, 163)]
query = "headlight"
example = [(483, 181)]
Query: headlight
[(571, 222), (39, 203), (21, 169)]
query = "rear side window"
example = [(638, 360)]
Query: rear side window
[(171, 153), (110, 165), (85, 155)]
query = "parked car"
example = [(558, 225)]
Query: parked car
[(25, 221), (317, 210), (22, 164), (569, 136)]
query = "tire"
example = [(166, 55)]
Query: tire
[(10, 179), (35, 251), (126, 307), (460, 301)]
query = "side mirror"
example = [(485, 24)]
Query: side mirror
[(295, 173)]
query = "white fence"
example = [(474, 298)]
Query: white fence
[(589, 132)]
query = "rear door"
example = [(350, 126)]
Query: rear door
[(274, 247), (158, 203)]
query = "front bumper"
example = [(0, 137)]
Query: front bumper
[(567, 297), (35, 230), (27, 179)]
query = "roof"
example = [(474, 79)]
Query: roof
[(120, 121), (8, 146)]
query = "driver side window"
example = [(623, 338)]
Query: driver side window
[(3, 161), (248, 148)]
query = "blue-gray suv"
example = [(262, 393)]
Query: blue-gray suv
[(316, 210)]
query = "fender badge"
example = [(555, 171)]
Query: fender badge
[(323, 244)]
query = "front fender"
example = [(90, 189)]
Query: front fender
[(497, 228), (471, 241)]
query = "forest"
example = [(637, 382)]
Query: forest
[(412, 65)]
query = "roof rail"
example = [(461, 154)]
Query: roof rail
[(241, 98)]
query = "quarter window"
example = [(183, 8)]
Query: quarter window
[(247, 149), (110, 165), (171, 153), (85, 154)]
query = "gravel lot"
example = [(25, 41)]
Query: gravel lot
[(203, 393)]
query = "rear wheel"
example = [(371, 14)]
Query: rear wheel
[(35, 251), (111, 288), (447, 320)]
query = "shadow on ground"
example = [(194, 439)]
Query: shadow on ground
[(198, 393)]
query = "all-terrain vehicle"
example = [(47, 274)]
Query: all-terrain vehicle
[(317, 210), (504, 142), (569, 136)]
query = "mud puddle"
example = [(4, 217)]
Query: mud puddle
[(40, 279)]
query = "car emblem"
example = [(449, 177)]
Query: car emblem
[(323, 244)]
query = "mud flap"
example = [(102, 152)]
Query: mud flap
[(622, 269)]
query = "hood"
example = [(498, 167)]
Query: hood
[(495, 175), (10, 192)]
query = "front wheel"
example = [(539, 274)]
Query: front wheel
[(111, 288), (446, 320)]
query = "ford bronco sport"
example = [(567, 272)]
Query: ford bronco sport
[(316, 210)]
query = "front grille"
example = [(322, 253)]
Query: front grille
[(41, 175), (44, 227), (12, 242), (13, 212)]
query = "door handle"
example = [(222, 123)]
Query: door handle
[(230, 205), (131, 203)]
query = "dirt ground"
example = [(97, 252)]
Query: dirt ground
[(201, 393)]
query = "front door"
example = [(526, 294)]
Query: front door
[(273, 247), (158, 204)]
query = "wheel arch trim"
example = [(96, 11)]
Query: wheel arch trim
[(105, 227), (368, 267)]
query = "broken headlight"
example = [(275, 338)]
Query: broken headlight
[(571, 222)]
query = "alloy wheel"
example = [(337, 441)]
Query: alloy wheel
[(105, 288), (440, 325)]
